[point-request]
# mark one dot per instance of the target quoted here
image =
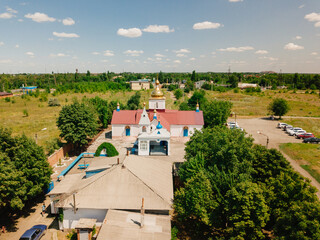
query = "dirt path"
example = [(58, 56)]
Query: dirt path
[(276, 137)]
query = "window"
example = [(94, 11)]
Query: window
[(144, 129), (144, 145), (127, 131)]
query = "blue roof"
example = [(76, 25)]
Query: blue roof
[(159, 126), (31, 87)]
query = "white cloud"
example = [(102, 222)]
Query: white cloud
[(236, 49), (108, 53), (9, 9), (58, 55), (261, 52), (181, 55), (133, 53), (40, 17), (5, 61), (6, 15), (206, 25), (65, 35), (213, 53), (1, 43), (158, 29), (301, 6), (159, 55), (202, 56), (127, 61), (269, 58), (31, 54), (317, 24), (130, 32), (104, 60), (314, 53), (177, 61), (17, 46), (192, 59), (182, 50), (298, 37), (68, 21), (20, 20), (313, 17), (235, 0), (95, 53), (293, 47)]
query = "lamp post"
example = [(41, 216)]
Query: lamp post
[(235, 117), (36, 135), (266, 136)]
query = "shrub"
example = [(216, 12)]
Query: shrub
[(110, 150), (236, 90), (43, 97), (72, 235), (7, 99), (53, 102), (25, 113)]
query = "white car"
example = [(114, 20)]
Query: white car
[(233, 125), (299, 132), (288, 129), (281, 125), (293, 131), (288, 126)]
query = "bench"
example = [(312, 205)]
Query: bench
[(82, 166)]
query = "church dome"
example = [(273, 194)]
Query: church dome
[(157, 93)]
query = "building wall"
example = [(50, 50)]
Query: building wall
[(139, 85), (70, 219), (177, 130), (119, 130), (157, 104)]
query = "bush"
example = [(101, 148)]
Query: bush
[(43, 97), (7, 99), (178, 93), (53, 102), (25, 113), (236, 90), (72, 235), (110, 150)]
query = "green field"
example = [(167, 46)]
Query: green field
[(307, 155), (41, 116)]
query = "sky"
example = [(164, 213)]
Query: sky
[(42, 36)]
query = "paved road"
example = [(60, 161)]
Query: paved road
[(276, 137)]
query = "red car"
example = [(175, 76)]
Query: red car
[(305, 135)]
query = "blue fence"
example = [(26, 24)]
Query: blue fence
[(65, 171)]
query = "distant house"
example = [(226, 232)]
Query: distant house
[(140, 84), (5, 94), (247, 85), (27, 90), (199, 84)]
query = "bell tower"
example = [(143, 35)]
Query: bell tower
[(157, 100)]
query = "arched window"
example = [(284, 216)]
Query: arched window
[(127, 130), (185, 131), (144, 129)]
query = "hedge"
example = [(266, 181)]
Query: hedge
[(110, 150)]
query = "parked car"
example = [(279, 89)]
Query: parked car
[(287, 126), (288, 129), (299, 132), (281, 125), (233, 124), (304, 135), (293, 131), (311, 140), (34, 233)]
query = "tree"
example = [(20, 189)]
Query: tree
[(134, 101), (197, 97), (193, 76), (178, 93), (24, 171), (161, 77), (279, 107), (77, 122), (216, 113)]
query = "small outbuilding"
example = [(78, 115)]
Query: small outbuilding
[(84, 228), (27, 90)]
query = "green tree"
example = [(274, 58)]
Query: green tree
[(77, 123), (24, 171), (194, 76), (134, 101), (161, 77), (216, 113), (279, 107), (197, 97), (178, 93)]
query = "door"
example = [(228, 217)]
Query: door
[(185, 132), (127, 131)]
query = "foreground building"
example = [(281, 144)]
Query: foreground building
[(153, 128)]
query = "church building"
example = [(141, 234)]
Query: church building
[(155, 127)]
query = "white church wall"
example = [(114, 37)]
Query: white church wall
[(119, 130), (177, 130)]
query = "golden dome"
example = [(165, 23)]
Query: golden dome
[(157, 93)]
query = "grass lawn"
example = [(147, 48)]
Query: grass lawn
[(307, 155)]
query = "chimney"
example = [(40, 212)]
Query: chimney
[(142, 214)]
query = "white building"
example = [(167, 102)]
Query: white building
[(154, 127)]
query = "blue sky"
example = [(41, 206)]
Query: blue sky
[(169, 35)]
